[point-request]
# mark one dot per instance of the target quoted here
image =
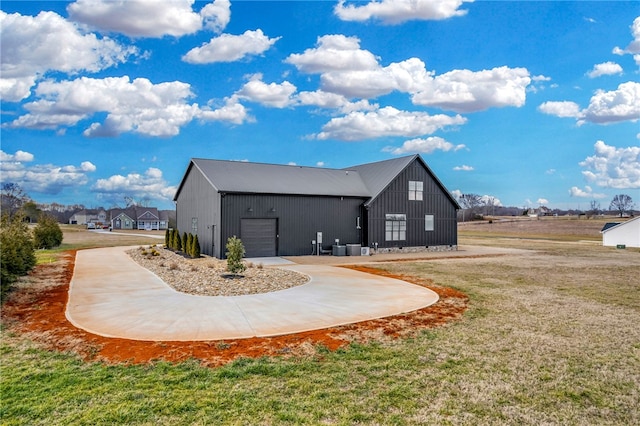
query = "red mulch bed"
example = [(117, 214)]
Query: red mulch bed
[(37, 311)]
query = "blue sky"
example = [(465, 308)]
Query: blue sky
[(530, 102)]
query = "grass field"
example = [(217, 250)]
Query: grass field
[(551, 336)]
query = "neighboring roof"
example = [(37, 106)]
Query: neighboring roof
[(365, 180), (377, 176), (606, 228), (609, 225), (244, 177)]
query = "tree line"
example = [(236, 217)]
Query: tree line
[(475, 206)]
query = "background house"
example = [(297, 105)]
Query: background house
[(625, 233), (281, 210), (137, 217), (84, 217)]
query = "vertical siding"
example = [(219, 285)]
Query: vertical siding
[(395, 199), (299, 218), (199, 199)]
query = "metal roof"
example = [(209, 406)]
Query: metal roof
[(377, 176), (365, 180), (260, 178), (609, 225)]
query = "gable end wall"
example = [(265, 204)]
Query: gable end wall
[(395, 199), (199, 199)]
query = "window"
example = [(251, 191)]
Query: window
[(395, 226), (194, 225), (415, 190), (429, 222)]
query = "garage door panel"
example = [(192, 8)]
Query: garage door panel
[(258, 237)]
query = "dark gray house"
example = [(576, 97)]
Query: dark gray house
[(278, 210)]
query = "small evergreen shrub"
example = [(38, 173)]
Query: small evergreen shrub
[(195, 247), (177, 241), (189, 244), (47, 233), (17, 255), (235, 252)]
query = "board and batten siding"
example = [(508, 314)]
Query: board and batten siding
[(198, 199), (395, 200), (299, 217)]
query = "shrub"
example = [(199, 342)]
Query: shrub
[(188, 244), (167, 238), (185, 246), (235, 251), (177, 242), (47, 233), (195, 247), (17, 255)]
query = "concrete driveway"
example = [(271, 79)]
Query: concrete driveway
[(111, 295)]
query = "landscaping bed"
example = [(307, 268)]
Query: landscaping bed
[(209, 276)]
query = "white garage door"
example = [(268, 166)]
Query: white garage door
[(258, 237)]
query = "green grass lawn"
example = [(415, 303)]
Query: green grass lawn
[(550, 337)]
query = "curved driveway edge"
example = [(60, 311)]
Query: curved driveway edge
[(111, 295)]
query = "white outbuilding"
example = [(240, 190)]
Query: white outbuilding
[(622, 234)]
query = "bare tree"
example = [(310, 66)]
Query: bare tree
[(13, 197), (594, 209), (489, 204), (471, 202), (621, 203)]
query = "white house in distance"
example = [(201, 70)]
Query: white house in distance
[(625, 233)]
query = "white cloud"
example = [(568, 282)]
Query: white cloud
[(216, 15), (350, 71), (398, 11), (490, 200), (469, 91), (149, 185), (542, 201), (320, 164), (408, 76), (334, 101), (424, 146), (132, 106), (605, 68), (622, 104), (561, 109), (612, 167), (334, 53), (232, 111), (387, 121), (42, 178), (19, 156), (586, 193), (229, 48), (634, 47), (149, 18), (463, 168), (272, 94), (31, 48)]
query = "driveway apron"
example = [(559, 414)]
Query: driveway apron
[(111, 295)]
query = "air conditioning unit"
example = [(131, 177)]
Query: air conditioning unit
[(364, 251)]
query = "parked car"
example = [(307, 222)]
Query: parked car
[(91, 226)]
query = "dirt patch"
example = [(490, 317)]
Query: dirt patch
[(36, 309)]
